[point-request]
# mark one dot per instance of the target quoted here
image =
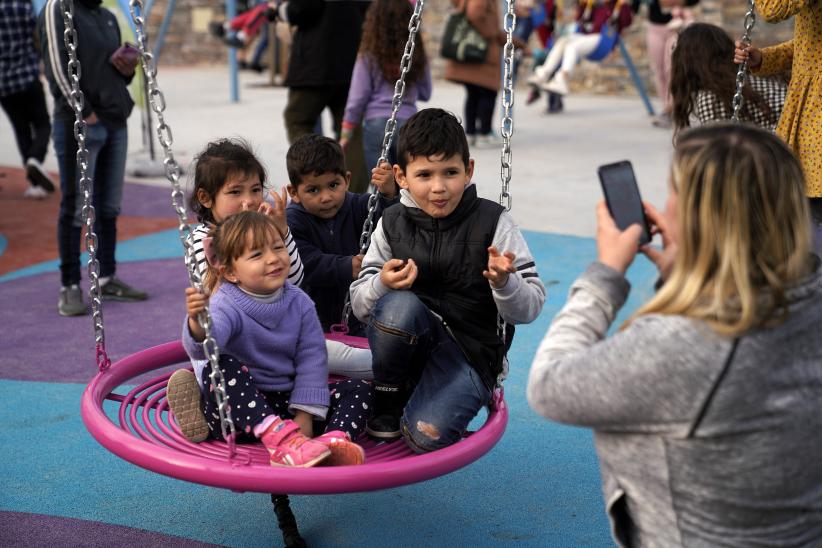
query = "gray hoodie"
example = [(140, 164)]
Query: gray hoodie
[(698, 445)]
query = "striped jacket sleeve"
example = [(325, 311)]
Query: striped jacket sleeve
[(55, 55)]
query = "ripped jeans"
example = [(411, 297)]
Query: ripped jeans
[(410, 346)]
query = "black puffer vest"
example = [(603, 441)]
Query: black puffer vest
[(451, 254)]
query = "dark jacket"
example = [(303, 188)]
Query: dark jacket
[(326, 41), (326, 249), (98, 36), (449, 254)]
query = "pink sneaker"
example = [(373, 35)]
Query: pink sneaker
[(288, 447), (343, 451)]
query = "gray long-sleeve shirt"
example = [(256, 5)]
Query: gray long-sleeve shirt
[(751, 473)]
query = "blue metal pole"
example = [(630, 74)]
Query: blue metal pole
[(161, 34), (230, 12), (635, 76)]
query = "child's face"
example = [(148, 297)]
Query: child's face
[(435, 183), (260, 270), (321, 195), (239, 192)]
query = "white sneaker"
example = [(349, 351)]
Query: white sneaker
[(37, 175), (35, 193), (558, 84), (534, 80)]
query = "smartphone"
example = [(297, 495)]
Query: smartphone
[(622, 196)]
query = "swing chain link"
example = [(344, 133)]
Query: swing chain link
[(173, 171), (742, 73), (77, 102), (388, 136), (391, 124), (507, 125)]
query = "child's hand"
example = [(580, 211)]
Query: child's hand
[(382, 177), (277, 211), (399, 274), (750, 54), (499, 267), (195, 304), (356, 265)]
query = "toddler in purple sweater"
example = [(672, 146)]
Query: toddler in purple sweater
[(272, 352)]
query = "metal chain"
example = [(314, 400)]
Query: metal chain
[(391, 124), (507, 125), (77, 101), (742, 74), (173, 172), (388, 136)]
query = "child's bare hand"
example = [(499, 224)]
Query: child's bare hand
[(356, 265), (399, 274), (276, 210), (500, 266), (751, 54), (195, 304), (382, 177)]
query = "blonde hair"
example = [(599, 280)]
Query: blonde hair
[(240, 232), (744, 229)]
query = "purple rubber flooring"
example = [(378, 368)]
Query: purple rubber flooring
[(63, 348), (44, 530)]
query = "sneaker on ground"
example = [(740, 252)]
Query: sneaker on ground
[(287, 446), (557, 84), (71, 301), (384, 427), (488, 141), (533, 80), (662, 121), (35, 193), (117, 290), (36, 174), (184, 400), (343, 450)]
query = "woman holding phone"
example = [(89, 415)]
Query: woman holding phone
[(706, 404)]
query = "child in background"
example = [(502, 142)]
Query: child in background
[(376, 70), (442, 268), (327, 221), (273, 355), (553, 74)]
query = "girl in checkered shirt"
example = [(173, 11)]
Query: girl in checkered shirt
[(703, 82)]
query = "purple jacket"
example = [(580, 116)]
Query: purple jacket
[(370, 94), (281, 342)]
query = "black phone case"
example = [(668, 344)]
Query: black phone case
[(605, 180)]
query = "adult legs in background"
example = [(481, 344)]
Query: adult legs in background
[(471, 107), (479, 112), (661, 40), (29, 118), (373, 131)]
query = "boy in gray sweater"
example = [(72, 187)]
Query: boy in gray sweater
[(434, 284)]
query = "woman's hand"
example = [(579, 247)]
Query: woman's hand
[(615, 248), (664, 258), (750, 54), (399, 274), (195, 304)]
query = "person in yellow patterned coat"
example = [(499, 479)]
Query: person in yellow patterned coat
[(801, 122)]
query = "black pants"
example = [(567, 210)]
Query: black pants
[(479, 107), (30, 120)]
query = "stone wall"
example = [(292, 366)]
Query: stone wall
[(188, 40)]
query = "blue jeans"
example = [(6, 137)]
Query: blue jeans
[(410, 345), (107, 147), (373, 131)]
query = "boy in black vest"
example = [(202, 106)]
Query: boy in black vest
[(442, 267)]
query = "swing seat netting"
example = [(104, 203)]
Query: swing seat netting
[(146, 435)]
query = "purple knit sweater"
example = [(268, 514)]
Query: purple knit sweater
[(282, 342)]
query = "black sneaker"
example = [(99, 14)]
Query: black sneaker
[(216, 28), (37, 175), (533, 95), (234, 41), (117, 290), (384, 427)]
